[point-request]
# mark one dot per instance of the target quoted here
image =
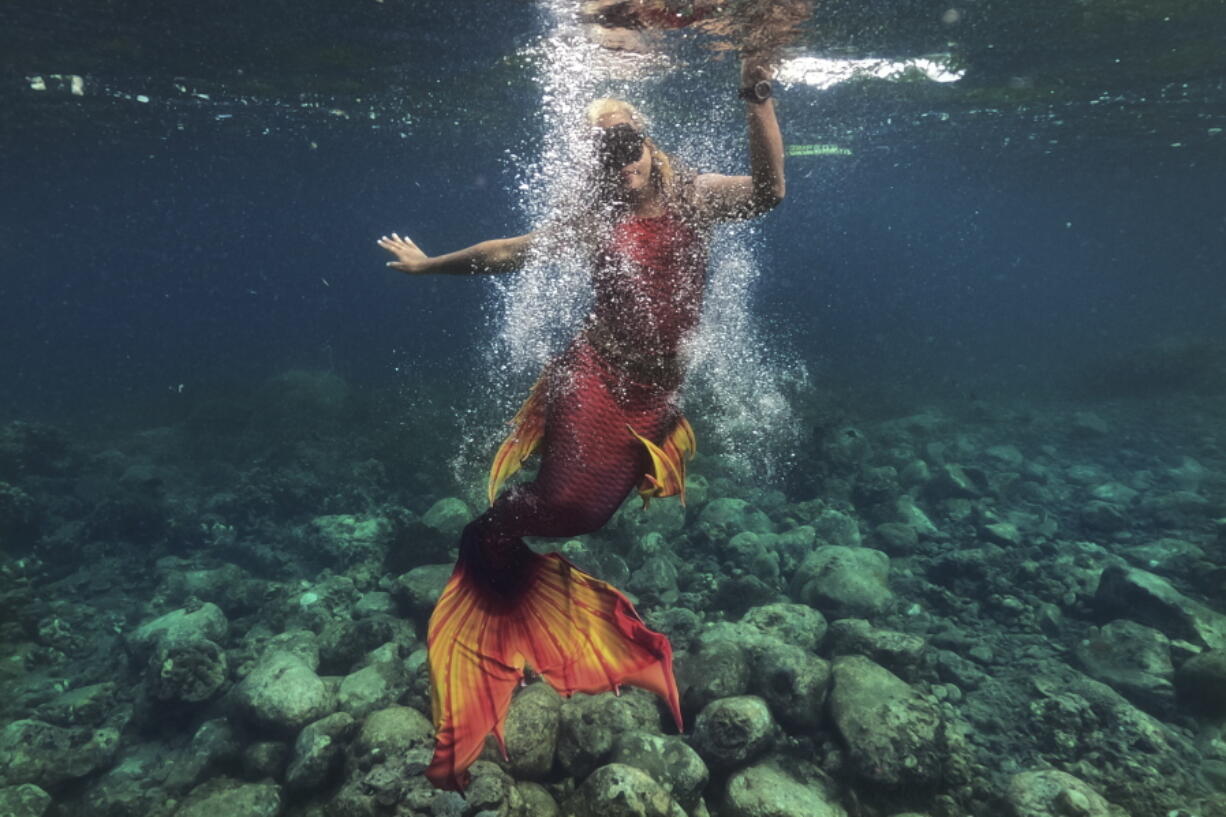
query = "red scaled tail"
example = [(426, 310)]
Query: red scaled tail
[(579, 633)]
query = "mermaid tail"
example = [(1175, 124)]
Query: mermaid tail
[(667, 475), (579, 633), (505, 607)]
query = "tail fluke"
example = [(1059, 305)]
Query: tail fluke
[(579, 633)]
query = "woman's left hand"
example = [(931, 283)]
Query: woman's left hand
[(754, 69)]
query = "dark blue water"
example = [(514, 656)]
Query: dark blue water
[(133, 267)]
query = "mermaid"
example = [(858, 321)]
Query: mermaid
[(603, 417)]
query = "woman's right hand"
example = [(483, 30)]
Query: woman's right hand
[(409, 257)]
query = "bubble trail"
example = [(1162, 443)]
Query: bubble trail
[(745, 389)]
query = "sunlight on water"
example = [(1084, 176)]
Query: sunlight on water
[(825, 72)]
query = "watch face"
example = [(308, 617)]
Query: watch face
[(762, 90)]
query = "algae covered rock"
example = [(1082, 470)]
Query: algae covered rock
[(232, 798), (732, 732), (317, 752), (348, 538), (283, 693), (617, 790), (1051, 793), (792, 681), (1151, 600), (898, 652), (188, 669), (669, 760), (420, 588), (371, 687), (40, 753), (1132, 658), (718, 665), (531, 731), (532, 800), (894, 736), (843, 581), (797, 624), (767, 790), (448, 516), (590, 725), (205, 622), (26, 800), (1201, 682), (393, 731), (837, 528), (723, 518)]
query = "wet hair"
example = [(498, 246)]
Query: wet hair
[(672, 182)]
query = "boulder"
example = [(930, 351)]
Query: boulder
[(723, 518), (837, 528), (732, 732), (1150, 600), (716, 667), (283, 693), (421, 587), (26, 800), (590, 725), (956, 482), (37, 752), (186, 668), (792, 681), (531, 731), (1132, 658), (231, 798), (898, 652), (842, 582), (797, 624), (1201, 682), (669, 760), (393, 731), (448, 516), (766, 790), (893, 735), (206, 622), (617, 790), (317, 752), (1051, 793)]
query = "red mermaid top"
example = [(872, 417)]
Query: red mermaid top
[(648, 281)]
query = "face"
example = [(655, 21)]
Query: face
[(629, 164)]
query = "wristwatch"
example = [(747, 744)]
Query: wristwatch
[(757, 93)]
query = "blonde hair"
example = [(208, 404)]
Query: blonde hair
[(669, 182)]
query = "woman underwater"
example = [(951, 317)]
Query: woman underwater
[(603, 417)]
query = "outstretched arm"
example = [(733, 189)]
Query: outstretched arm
[(489, 257), (721, 198)]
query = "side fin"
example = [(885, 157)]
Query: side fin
[(667, 462), (529, 427), (579, 633)]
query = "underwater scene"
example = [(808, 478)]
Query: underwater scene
[(613, 408)]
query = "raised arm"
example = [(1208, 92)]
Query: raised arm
[(721, 198), (488, 257)]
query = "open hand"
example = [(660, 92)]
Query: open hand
[(409, 257)]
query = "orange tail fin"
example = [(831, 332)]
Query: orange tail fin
[(667, 462), (528, 427), (579, 633)]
